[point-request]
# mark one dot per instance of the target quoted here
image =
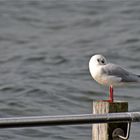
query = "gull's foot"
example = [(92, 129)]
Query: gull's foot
[(110, 101)]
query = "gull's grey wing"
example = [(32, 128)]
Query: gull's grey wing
[(115, 70)]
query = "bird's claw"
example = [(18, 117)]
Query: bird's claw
[(109, 100)]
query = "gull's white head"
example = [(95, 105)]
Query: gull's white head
[(97, 60), (94, 64)]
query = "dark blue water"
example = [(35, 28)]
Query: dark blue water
[(45, 47)]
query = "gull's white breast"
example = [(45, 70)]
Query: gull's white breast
[(102, 78)]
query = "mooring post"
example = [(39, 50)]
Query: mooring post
[(109, 131)]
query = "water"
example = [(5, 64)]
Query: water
[(45, 47)]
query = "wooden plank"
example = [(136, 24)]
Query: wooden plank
[(104, 131)]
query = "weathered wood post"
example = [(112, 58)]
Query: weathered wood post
[(105, 131)]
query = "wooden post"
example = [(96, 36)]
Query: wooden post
[(105, 131)]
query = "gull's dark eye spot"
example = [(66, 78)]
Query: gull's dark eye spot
[(103, 61), (98, 60)]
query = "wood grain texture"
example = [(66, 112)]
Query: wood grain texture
[(104, 131)]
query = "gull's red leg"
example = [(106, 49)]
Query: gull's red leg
[(111, 98), (111, 94)]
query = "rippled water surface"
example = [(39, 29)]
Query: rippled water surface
[(45, 47)]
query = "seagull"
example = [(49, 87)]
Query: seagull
[(109, 74)]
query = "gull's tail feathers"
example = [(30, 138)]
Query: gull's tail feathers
[(138, 78)]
